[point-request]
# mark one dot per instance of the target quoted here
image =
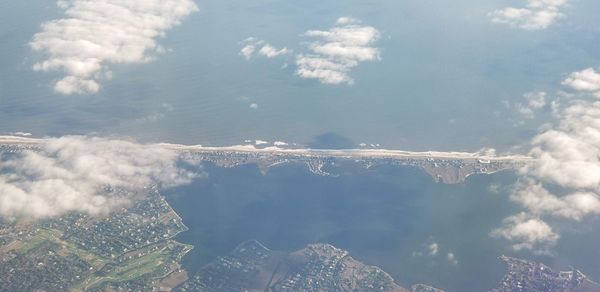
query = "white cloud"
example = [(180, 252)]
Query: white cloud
[(536, 15), (527, 233), (340, 49), (452, 258), (535, 101), (563, 179), (331, 58), (494, 188), (587, 80), (347, 20), (256, 47), (272, 52), (433, 249), (247, 51), (250, 47), (326, 71), (90, 175), (96, 33), (253, 106), (568, 155), (525, 111), (74, 85), (539, 201)]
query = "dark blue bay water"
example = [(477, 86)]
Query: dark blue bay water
[(385, 217)]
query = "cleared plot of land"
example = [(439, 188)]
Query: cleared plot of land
[(174, 279)]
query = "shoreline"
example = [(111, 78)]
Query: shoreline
[(275, 150)]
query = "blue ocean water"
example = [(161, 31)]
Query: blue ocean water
[(445, 74)]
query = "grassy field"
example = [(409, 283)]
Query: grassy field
[(131, 269), (93, 260), (51, 235), (134, 268), (42, 236)]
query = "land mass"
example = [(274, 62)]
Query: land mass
[(131, 250), (323, 267), (444, 167), (528, 276), (317, 267)]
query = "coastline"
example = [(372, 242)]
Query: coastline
[(276, 150)]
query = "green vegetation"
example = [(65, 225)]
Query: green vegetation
[(54, 236), (42, 236), (91, 258), (131, 269), (125, 251)]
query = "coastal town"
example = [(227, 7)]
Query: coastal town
[(317, 267), (130, 250), (443, 167)]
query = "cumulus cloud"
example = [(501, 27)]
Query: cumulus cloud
[(587, 80), (539, 201), (96, 33), (534, 102), (338, 51), (568, 155), (81, 174), (528, 233), (248, 51), (563, 179), (452, 258), (433, 249), (332, 54), (536, 15), (525, 111), (272, 52), (256, 47)]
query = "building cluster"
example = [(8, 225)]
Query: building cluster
[(323, 267), (16, 148), (527, 276), (41, 269), (318, 267), (237, 271), (446, 170), (146, 223), (130, 250)]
